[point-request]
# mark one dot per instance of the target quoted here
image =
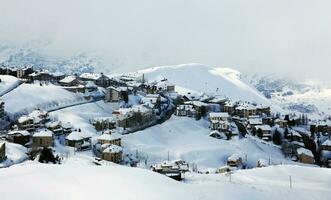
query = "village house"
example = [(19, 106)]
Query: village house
[(21, 137), (2, 151), (55, 127), (19, 72), (263, 110), (219, 121), (90, 86), (79, 141), (173, 169), (229, 107), (218, 135), (112, 153), (104, 123), (185, 110), (165, 85), (99, 79), (135, 117), (67, 128), (42, 138), (110, 138), (42, 76), (235, 161), (69, 81), (219, 116), (116, 94), (264, 132), (245, 110), (26, 123), (305, 156), (281, 123), (326, 145), (34, 120), (254, 121)]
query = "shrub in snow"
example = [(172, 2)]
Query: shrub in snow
[(46, 156)]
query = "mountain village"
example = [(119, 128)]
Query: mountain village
[(139, 104)]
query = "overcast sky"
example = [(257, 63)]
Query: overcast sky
[(290, 37)]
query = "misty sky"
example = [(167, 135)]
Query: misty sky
[(289, 37)]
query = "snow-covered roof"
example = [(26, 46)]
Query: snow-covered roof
[(67, 125), (76, 136), (263, 127), (255, 121), (53, 124), (43, 133), (196, 103), (68, 79), (118, 89), (304, 151), (90, 84), (113, 149), (327, 143), (246, 107), (24, 118), (110, 137), (219, 114), (234, 157), (91, 76), (22, 132)]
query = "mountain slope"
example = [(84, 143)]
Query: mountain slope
[(206, 79)]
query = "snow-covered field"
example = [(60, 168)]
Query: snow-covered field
[(187, 139), (80, 116), (81, 181), (7, 83), (30, 96)]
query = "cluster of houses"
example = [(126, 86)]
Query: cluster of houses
[(37, 129)]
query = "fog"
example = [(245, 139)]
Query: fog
[(287, 37)]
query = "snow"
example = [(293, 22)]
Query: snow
[(75, 136), (80, 116), (205, 79), (188, 139), (7, 83), (28, 97), (90, 76), (79, 180), (109, 137), (327, 143), (15, 154), (263, 127), (219, 115), (68, 79), (304, 151), (43, 133), (113, 149), (22, 132)]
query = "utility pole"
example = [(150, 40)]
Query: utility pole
[(291, 182)]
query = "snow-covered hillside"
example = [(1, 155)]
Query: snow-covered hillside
[(15, 154), (27, 97), (187, 139), (79, 181), (205, 79), (80, 116), (7, 83)]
